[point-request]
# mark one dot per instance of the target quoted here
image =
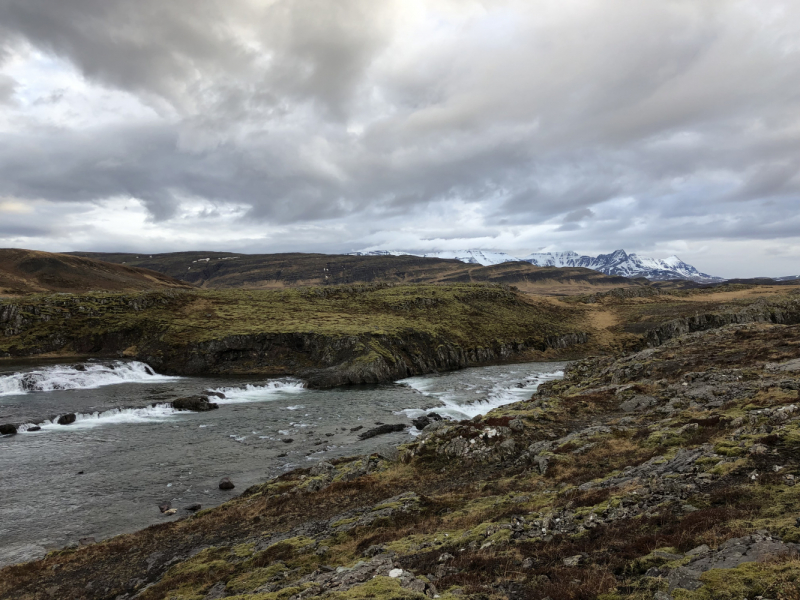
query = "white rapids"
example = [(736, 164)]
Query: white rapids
[(82, 376), (456, 403), (275, 389)]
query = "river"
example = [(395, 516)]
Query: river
[(128, 451)]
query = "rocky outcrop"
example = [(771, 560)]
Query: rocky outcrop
[(194, 403), (758, 547), (381, 430), (780, 313)]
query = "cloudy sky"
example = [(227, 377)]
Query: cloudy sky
[(661, 127)]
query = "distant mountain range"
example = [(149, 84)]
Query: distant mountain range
[(618, 263)]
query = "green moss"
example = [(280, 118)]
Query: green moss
[(383, 588), (729, 449), (243, 550), (772, 579), (252, 580)]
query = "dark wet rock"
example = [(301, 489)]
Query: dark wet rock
[(34, 428), (87, 541), (226, 484), (287, 440), (215, 394), (194, 403), (381, 430), (193, 507), (67, 419), (8, 429), (425, 420), (358, 428), (164, 506)]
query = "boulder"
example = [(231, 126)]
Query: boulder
[(193, 507), (67, 419), (8, 429), (34, 428), (164, 506), (425, 420), (194, 403), (226, 484), (380, 430)]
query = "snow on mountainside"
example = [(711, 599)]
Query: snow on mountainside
[(618, 262)]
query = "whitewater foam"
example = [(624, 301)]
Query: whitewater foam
[(83, 376), (115, 416), (272, 390), (454, 409)]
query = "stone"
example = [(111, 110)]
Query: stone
[(395, 573), (527, 563), (87, 541), (542, 462), (287, 440), (8, 429), (164, 506), (170, 512), (637, 403), (193, 507), (358, 428), (573, 561), (216, 592), (381, 430), (516, 425), (322, 468), (704, 549), (67, 419), (226, 484), (445, 557), (731, 554), (194, 404), (34, 428)]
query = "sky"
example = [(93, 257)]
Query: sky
[(661, 127)]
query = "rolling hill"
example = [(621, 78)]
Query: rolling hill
[(31, 271), (224, 270)]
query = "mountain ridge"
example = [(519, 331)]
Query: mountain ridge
[(618, 263)]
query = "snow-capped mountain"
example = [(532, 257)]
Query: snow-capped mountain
[(618, 262), (476, 257)]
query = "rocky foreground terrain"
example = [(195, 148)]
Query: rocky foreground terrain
[(668, 473)]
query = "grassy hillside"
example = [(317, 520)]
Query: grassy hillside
[(264, 271), (29, 271), (416, 327)]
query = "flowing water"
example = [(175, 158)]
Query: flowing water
[(128, 450)]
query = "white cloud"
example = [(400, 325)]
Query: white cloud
[(308, 125)]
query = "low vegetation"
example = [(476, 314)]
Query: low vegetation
[(667, 473)]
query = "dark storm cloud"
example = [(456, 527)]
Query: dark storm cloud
[(644, 121)]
